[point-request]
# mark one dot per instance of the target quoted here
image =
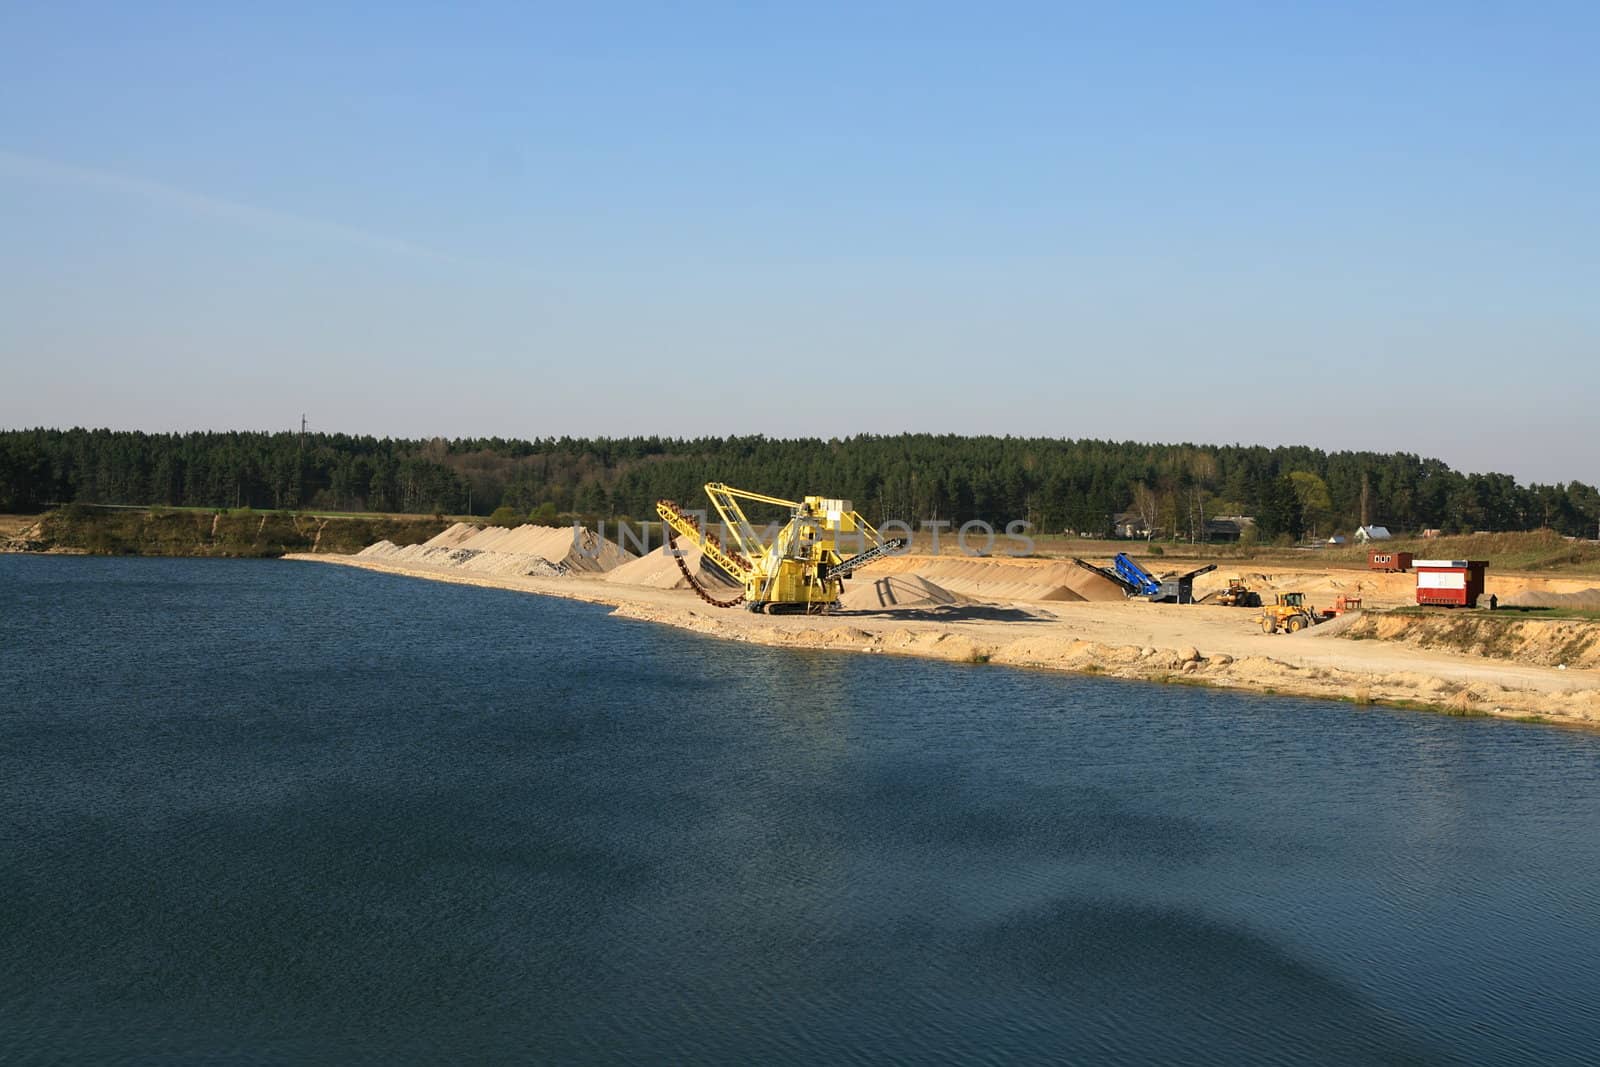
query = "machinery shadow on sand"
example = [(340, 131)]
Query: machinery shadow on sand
[(949, 613)]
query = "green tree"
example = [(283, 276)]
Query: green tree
[(1279, 509), (1075, 483), (1311, 494)]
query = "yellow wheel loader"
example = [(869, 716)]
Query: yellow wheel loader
[(1290, 614)]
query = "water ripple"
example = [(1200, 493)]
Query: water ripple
[(265, 811)]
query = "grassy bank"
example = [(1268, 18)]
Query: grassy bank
[(239, 533), (1536, 550)]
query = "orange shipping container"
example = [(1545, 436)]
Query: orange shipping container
[(1382, 559)]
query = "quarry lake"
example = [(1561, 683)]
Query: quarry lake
[(289, 812)]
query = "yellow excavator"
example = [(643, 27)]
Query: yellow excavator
[(797, 569)]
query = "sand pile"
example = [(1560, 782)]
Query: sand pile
[(454, 536), (539, 551), (1087, 585), (1582, 600), (659, 570), (1004, 579), (896, 591)]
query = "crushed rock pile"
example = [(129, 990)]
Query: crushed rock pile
[(536, 551)]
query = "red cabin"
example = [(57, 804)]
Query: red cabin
[(1381, 559), (1451, 583)]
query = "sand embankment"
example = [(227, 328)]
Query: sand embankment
[(1125, 639), (1560, 643)]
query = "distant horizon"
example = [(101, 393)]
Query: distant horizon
[(311, 428)]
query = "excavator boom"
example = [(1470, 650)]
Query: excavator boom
[(799, 569)]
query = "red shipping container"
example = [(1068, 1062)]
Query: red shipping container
[(1451, 583), (1381, 559)]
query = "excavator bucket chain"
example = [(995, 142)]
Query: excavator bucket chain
[(708, 535), (694, 583)]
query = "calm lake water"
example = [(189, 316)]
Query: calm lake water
[(292, 812)]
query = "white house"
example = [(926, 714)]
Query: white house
[(1372, 533)]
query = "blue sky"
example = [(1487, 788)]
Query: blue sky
[(1351, 226)]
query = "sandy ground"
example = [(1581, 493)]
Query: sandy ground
[(1195, 644)]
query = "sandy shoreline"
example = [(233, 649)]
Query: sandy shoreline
[(1193, 645)]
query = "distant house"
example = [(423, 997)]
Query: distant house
[(1372, 533), (1430, 534), (1229, 528), (1222, 530), (1128, 524), (1338, 539)]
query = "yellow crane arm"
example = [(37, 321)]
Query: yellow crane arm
[(745, 494), (726, 499), (732, 562)]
